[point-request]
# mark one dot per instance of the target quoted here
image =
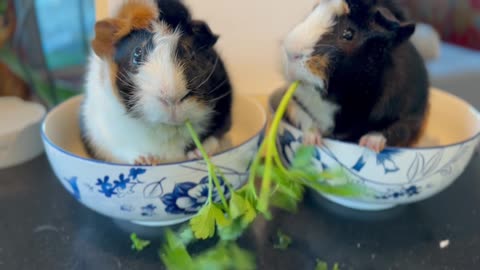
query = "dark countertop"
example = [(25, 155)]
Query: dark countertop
[(43, 227)]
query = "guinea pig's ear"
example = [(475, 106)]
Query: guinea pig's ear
[(401, 30), (106, 33), (404, 32), (203, 38)]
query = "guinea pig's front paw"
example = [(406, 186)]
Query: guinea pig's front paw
[(374, 141), (149, 160), (313, 137), (211, 146)]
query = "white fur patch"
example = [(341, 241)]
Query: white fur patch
[(301, 41), (321, 113), (162, 81)]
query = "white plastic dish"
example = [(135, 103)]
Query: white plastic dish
[(148, 195), (400, 175), (20, 123)]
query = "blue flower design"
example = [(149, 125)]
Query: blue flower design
[(385, 158), (148, 210), (412, 191), (407, 192), (106, 187), (73, 184), (122, 184), (285, 140), (134, 173), (360, 164), (126, 208), (188, 198)]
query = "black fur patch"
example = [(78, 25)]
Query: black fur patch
[(124, 58), (377, 78)]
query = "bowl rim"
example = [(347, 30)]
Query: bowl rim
[(46, 139), (432, 89)]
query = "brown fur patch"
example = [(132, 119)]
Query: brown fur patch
[(133, 15), (318, 66)]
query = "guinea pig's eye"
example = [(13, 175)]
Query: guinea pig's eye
[(137, 56), (348, 34)]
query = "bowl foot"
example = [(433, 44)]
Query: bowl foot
[(160, 223), (362, 206)]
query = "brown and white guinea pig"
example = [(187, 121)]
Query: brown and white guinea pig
[(362, 80), (152, 68)]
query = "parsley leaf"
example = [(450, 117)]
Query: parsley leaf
[(303, 157), (226, 255), (203, 224), (137, 243), (283, 241), (321, 265), (175, 255)]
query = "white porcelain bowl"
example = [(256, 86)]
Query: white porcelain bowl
[(400, 175), (149, 195), (19, 131)]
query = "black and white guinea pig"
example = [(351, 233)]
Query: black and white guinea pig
[(362, 80), (152, 68)]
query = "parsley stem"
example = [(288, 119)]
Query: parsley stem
[(279, 163), (271, 145), (212, 176), (254, 168), (220, 192)]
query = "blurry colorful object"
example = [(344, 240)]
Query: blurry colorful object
[(458, 21), (10, 83)]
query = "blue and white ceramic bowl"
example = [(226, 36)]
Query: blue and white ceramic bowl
[(400, 175), (157, 195)]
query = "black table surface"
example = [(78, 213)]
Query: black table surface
[(43, 227)]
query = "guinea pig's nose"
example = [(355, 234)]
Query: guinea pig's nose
[(294, 56), (168, 101)]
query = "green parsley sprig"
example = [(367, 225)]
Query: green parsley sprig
[(137, 243), (224, 255), (281, 187)]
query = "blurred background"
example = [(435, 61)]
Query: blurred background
[(44, 44)]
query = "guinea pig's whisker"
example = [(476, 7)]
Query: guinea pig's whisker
[(217, 87), (211, 73), (318, 46), (122, 77), (220, 97)]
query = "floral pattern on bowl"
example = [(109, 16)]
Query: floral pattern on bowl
[(394, 176), (149, 195), (397, 175)]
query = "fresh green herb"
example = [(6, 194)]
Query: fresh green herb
[(281, 187), (284, 187), (321, 265), (185, 234), (272, 152), (203, 225), (283, 241), (137, 243), (174, 253), (225, 255)]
